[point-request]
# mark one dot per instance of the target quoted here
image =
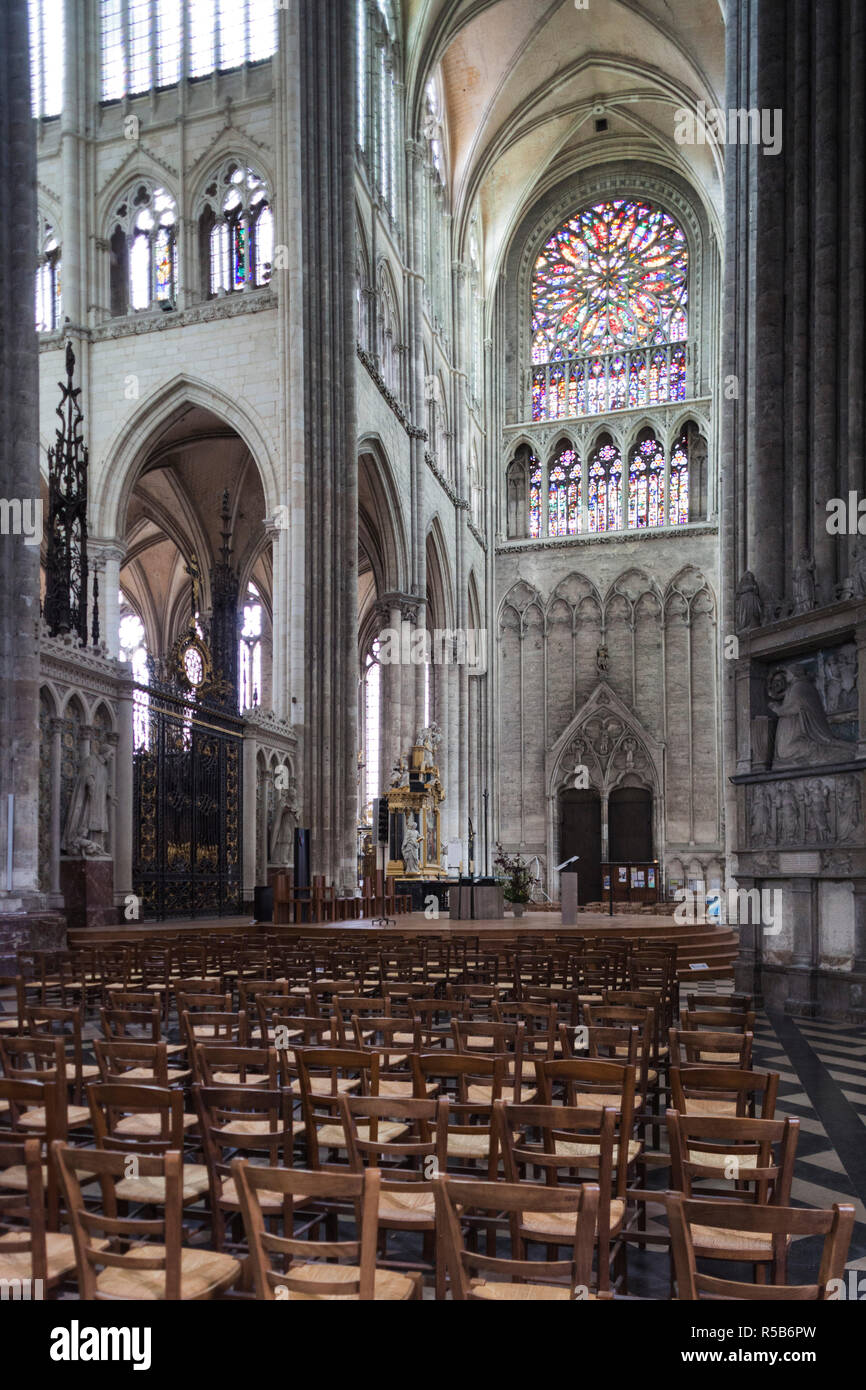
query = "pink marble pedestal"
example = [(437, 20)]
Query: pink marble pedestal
[(88, 892)]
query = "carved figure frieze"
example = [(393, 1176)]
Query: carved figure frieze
[(808, 811)]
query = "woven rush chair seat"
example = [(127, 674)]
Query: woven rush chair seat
[(59, 1252), (147, 1125), (90, 1071), (407, 1206), (711, 1160), (203, 1274), (36, 1119), (721, 1059), (333, 1136), (270, 1203), (484, 1094), (561, 1223), (388, 1285), (590, 1150), (233, 1078), (194, 1184), (321, 1085), (524, 1293), (709, 1238), (406, 1089), (705, 1105), (14, 1178)]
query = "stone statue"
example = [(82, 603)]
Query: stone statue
[(858, 577), (281, 840), (840, 680), (430, 737), (789, 817), (601, 660), (400, 774), (847, 808), (748, 599), (804, 583), (760, 820), (85, 834), (411, 847), (802, 732), (818, 812), (629, 746)]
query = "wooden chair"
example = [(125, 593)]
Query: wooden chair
[(29, 1252), (12, 992), (471, 1136), (718, 1020), (42, 1058), (324, 1074), (497, 1278), (134, 1062), (710, 1048), (572, 1142), (46, 1020), (316, 1269), (505, 1040), (743, 1227), (18, 1098), (152, 1263), (407, 1163), (214, 1025), (740, 1002), (723, 1091), (249, 1119)]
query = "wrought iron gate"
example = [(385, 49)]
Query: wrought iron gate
[(187, 807)]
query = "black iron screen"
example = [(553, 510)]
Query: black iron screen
[(187, 799)]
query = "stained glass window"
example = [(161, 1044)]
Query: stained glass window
[(46, 56), (241, 229), (250, 665), (610, 283), (48, 281), (604, 490), (646, 485), (132, 641), (534, 497), (678, 512), (564, 495), (144, 246)]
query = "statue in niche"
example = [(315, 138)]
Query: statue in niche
[(789, 816), (761, 818), (429, 737), (748, 602), (818, 811), (602, 660), (858, 577), (804, 583), (85, 835), (281, 841), (847, 808), (802, 732), (840, 680), (629, 747), (411, 847)]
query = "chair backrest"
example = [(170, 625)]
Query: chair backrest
[(719, 1020), (212, 1061), (781, 1224), (420, 1130), (89, 1226), (247, 1118), (710, 1048), (136, 1118), (723, 1090), (739, 1002), (13, 987), (480, 1038), (324, 1074), (753, 1154), (117, 1057), (471, 1271), (139, 1025), (221, 1025), (255, 1184), (22, 1209)]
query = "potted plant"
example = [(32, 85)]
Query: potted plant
[(515, 878)]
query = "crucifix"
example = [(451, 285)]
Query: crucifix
[(194, 573)]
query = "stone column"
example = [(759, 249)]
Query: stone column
[(391, 677), (250, 776), (122, 846), (56, 726), (326, 54), (22, 906), (108, 555)]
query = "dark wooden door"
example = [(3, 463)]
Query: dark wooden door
[(580, 833), (629, 824)]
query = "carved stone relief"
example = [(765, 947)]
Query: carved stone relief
[(814, 811)]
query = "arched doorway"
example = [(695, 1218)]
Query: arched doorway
[(629, 821), (580, 833)]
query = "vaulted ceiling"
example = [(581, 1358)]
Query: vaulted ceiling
[(524, 83)]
